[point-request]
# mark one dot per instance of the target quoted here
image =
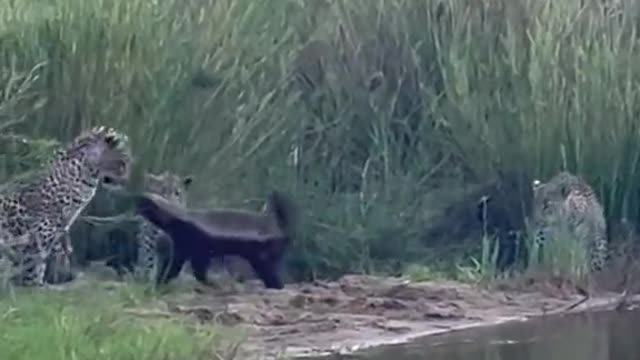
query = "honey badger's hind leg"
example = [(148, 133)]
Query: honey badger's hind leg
[(267, 270), (199, 266)]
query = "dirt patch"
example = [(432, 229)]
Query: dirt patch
[(357, 312)]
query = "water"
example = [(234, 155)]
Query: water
[(589, 336)]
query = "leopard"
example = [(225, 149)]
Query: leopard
[(173, 188), (59, 268), (38, 209), (568, 200)]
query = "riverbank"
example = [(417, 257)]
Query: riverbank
[(359, 312), (356, 312)]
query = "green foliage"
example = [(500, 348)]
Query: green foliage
[(562, 255), (95, 324), (417, 273), (20, 155), (360, 109), (486, 268)]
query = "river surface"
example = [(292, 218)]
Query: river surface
[(586, 336)]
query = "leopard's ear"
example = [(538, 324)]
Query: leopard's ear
[(536, 185), (187, 180)]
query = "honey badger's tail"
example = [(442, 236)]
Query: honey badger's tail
[(284, 211)]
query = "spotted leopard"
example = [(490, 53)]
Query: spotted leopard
[(36, 211), (173, 188), (567, 200)]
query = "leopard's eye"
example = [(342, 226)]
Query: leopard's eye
[(111, 141)]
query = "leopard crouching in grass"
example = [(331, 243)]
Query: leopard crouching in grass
[(172, 188), (567, 201), (37, 211)]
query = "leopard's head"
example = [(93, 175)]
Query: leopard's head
[(102, 153), (168, 185), (548, 204)]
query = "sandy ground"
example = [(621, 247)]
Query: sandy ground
[(357, 312)]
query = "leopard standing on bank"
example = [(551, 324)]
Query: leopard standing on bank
[(36, 211), (173, 188), (567, 200)]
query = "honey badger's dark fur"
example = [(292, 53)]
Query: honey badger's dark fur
[(198, 235)]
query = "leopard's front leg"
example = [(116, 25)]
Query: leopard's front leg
[(59, 262), (34, 255)]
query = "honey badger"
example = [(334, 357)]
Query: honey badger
[(198, 235)]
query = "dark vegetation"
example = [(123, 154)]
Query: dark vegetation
[(387, 121)]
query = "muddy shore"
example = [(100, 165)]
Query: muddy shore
[(359, 312)]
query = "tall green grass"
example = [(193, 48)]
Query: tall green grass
[(361, 109), (561, 256)]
